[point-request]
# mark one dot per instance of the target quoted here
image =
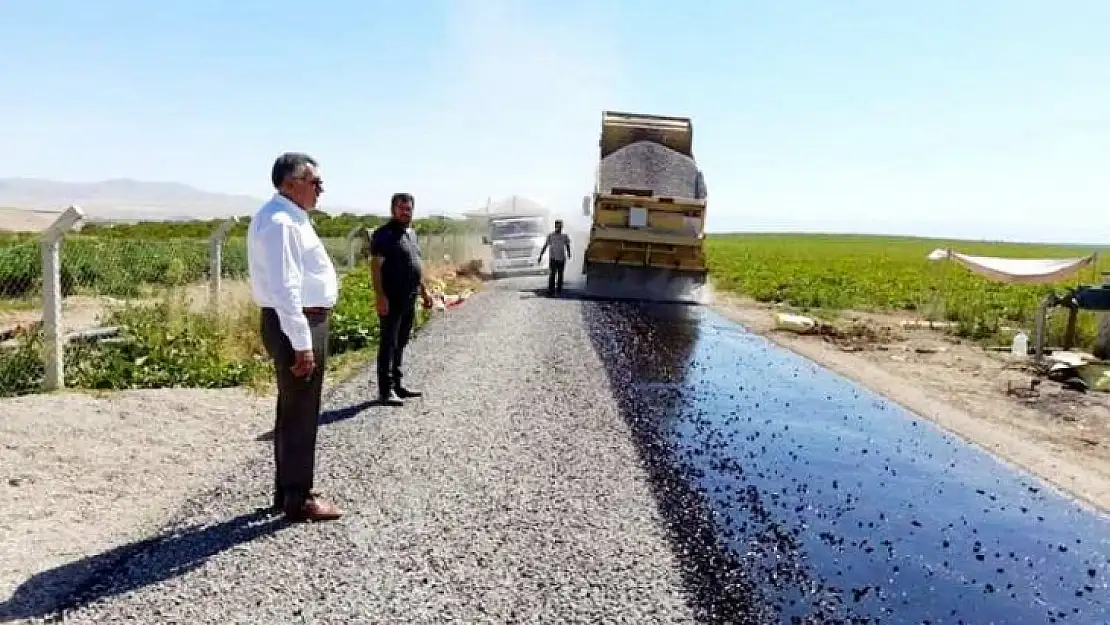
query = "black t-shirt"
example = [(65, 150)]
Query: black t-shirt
[(401, 271)]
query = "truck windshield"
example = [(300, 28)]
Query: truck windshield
[(515, 229)]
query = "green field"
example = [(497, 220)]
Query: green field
[(169, 346), (874, 273)]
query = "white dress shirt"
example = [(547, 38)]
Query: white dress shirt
[(290, 269)]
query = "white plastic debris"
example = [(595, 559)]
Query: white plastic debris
[(790, 322)]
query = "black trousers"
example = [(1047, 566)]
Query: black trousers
[(555, 274), (298, 407), (396, 328)]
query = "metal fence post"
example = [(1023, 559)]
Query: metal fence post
[(216, 261), (352, 251), (1102, 343), (50, 244)]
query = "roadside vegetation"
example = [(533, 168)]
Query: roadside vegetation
[(825, 274), (167, 344), (164, 341), (132, 260)]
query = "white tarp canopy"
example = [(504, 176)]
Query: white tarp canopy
[(1018, 270)]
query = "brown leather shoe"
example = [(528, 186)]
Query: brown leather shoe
[(279, 499), (313, 509)]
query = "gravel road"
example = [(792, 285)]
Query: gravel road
[(612, 463), (82, 472), (512, 493)]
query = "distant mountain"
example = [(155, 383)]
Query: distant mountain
[(125, 199), (30, 204)]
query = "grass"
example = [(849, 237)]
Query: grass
[(167, 344), (889, 274)]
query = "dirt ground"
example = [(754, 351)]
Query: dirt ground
[(987, 398), (83, 472), (20, 220)]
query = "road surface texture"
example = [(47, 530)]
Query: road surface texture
[(591, 462)]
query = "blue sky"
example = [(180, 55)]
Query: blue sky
[(986, 119)]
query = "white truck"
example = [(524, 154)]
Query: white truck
[(515, 242)]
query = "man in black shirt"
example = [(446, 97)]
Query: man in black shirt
[(398, 280)]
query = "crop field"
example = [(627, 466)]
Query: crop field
[(873, 273)]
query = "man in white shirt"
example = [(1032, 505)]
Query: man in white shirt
[(559, 244), (294, 282)]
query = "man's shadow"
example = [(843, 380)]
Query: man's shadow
[(330, 416), (132, 566)]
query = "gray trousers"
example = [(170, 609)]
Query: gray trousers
[(298, 408), (394, 332)]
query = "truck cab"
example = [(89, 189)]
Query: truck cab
[(515, 242)]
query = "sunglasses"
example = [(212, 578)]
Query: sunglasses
[(316, 182)]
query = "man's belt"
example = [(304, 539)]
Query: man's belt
[(315, 311)]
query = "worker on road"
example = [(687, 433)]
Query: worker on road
[(559, 243)]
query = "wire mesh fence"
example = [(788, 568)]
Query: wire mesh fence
[(456, 248), (65, 294), (140, 268), (453, 247), (20, 271)]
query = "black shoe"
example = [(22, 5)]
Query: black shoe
[(405, 393), (279, 496), (389, 399)]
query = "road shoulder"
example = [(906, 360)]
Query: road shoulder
[(83, 472)]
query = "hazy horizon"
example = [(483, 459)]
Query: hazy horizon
[(572, 218)]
